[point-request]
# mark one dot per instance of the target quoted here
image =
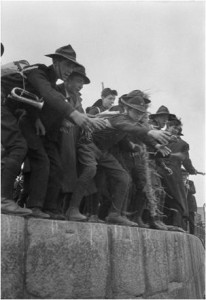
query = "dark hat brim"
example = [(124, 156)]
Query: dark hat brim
[(86, 79), (162, 114), (146, 101), (65, 57), (134, 106)]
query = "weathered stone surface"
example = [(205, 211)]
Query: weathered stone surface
[(12, 256), (126, 262), (66, 259), (155, 261)]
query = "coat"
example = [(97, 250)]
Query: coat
[(174, 185), (67, 145), (192, 204), (42, 82), (96, 108)]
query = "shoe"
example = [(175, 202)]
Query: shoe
[(95, 219), (175, 228), (73, 214), (55, 215), (38, 213), (141, 223), (114, 218), (157, 224), (10, 207)]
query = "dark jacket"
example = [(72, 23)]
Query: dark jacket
[(187, 164), (67, 145), (55, 109), (192, 204), (96, 108), (174, 184)]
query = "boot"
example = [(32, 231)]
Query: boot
[(10, 207), (155, 223), (175, 228), (141, 223), (115, 218), (95, 219), (38, 213), (73, 214), (55, 214)]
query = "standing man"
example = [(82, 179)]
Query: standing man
[(69, 132), (14, 152), (176, 198), (43, 152)]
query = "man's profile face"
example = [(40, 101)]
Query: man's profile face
[(63, 68), (75, 83), (174, 129), (135, 114), (108, 101), (162, 119)]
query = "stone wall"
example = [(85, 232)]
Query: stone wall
[(48, 259)]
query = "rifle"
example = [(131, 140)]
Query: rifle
[(201, 173)]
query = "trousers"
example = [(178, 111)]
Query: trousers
[(90, 156), (46, 169), (14, 151)]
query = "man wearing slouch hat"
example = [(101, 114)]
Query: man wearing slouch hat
[(43, 153)]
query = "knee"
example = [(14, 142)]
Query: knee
[(88, 172), (125, 179), (19, 151), (92, 171)]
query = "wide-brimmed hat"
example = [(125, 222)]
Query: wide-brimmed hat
[(66, 52), (162, 110), (137, 103), (81, 71), (137, 93)]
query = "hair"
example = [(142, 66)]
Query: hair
[(107, 91)]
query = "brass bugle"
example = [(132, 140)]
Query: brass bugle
[(26, 97)]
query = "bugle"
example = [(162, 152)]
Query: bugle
[(26, 97)]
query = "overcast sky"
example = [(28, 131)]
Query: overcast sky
[(153, 46)]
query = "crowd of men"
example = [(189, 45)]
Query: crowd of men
[(116, 164)]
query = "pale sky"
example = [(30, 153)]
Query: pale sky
[(154, 46)]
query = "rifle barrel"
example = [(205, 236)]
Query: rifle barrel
[(201, 173)]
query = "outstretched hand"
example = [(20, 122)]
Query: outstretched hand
[(163, 149), (162, 136), (98, 123), (82, 120), (86, 122)]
